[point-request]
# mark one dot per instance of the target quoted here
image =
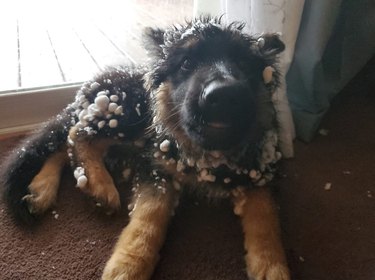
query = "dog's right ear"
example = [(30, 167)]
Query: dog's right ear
[(153, 38)]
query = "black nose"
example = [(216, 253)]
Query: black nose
[(221, 100)]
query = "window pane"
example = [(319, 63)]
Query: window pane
[(46, 43)]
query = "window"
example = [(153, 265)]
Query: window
[(48, 48)]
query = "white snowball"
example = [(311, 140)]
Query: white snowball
[(85, 104), (112, 107), (82, 114), (261, 42), (113, 123), (328, 186), (164, 146), (79, 171), (102, 102), (101, 93), (81, 99), (94, 85), (89, 117), (114, 98), (101, 124), (138, 110), (119, 110), (81, 181), (94, 110)]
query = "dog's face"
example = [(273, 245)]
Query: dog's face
[(212, 74)]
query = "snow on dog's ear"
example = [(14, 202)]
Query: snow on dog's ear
[(270, 45), (153, 38)]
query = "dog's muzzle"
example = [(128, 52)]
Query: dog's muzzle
[(227, 111)]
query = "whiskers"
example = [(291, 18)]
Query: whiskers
[(176, 109), (169, 119)]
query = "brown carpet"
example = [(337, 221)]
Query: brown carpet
[(328, 234)]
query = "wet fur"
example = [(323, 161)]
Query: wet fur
[(25, 162), (158, 176)]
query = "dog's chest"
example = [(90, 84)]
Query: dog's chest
[(161, 162)]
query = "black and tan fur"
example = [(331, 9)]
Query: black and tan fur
[(199, 122)]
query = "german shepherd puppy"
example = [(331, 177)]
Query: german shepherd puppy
[(200, 117)]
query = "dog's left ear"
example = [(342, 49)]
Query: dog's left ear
[(270, 45), (153, 38)]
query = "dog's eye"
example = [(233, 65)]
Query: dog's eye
[(187, 64)]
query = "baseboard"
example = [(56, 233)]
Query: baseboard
[(23, 111), (17, 130)]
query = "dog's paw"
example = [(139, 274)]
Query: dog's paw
[(109, 200), (43, 191), (127, 267), (104, 192), (33, 204), (262, 268)]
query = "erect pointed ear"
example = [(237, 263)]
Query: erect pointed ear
[(270, 45), (153, 38)]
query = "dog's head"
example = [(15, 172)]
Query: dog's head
[(207, 79)]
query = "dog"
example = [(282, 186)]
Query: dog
[(199, 117)]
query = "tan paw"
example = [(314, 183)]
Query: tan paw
[(43, 192), (109, 200), (262, 268), (104, 193), (127, 267)]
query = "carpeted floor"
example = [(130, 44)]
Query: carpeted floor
[(328, 234)]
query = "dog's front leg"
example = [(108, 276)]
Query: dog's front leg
[(265, 258), (89, 155), (137, 250)]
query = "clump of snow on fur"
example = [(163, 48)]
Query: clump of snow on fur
[(79, 174), (114, 98), (94, 85), (164, 146), (119, 110), (113, 123), (101, 124), (102, 102), (112, 107), (137, 109)]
